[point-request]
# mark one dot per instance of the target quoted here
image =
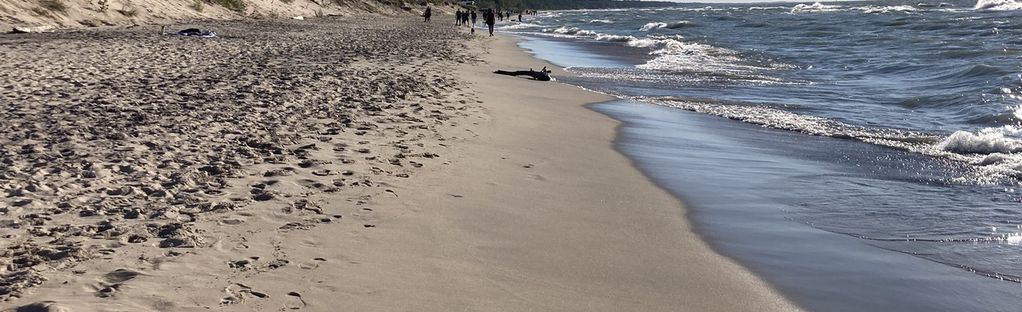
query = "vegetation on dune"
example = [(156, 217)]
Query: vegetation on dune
[(233, 5), (53, 5), (129, 11)]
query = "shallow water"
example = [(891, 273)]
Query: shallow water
[(860, 156)]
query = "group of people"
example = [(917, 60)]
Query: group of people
[(507, 14), (468, 17)]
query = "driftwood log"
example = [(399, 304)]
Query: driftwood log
[(541, 75)]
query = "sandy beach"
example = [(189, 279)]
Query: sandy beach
[(357, 163)]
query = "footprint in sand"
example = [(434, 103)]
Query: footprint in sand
[(42, 306), (239, 295), (297, 303), (112, 282)]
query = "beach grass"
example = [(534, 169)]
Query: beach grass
[(53, 5), (233, 5)]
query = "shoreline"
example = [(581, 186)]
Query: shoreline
[(709, 286)]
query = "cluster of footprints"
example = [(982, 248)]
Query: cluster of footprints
[(112, 148)]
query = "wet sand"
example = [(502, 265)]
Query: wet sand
[(346, 163)]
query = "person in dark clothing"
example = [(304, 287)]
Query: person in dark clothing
[(490, 20), (427, 14), (457, 17), (519, 16)]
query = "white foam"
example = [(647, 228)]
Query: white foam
[(998, 5), (995, 154), (571, 31), (660, 25), (615, 38), (601, 21), (986, 141), (519, 26), (1013, 238), (815, 7), (652, 26), (870, 9)]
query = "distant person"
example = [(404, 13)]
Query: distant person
[(457, 18), (464, 18), (490, 20), (500, 16), (519, 16), (473, 15), (427, 14)]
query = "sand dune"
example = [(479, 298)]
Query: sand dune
[(50, 14)]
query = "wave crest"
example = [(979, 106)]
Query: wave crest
[(986, 141), (564, 30), (998, 5), (661, 25), (815, 7)]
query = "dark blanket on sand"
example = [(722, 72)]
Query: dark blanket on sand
[(542, 75), (196, 32)]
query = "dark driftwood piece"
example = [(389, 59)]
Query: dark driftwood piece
[(542, 75)]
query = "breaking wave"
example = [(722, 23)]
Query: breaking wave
[(517, 26), (998, 5), (815, 7), (564, 30), (995, 153), (660, 25)]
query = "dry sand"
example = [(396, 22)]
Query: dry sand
[(367, 164)]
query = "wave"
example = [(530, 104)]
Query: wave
[(601, 21), (977, 71), (815, 7), (998, 5), (756, 8), (869, 9), (564, 30), (994, 154), (1004, 139), (885, 9), (672, 25), (615, 38), (519, 26)]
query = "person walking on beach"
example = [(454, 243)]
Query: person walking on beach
[(488, 16), (519, 16), (427, 14), (473, 15), (457, 17)]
